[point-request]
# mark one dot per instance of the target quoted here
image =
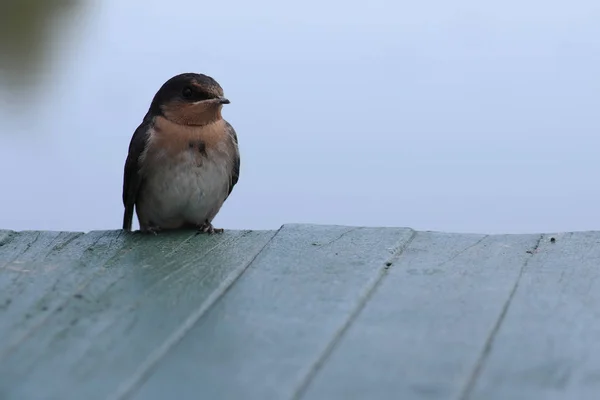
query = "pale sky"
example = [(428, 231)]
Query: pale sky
[(459, 116)]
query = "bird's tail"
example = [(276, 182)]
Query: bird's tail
[(127, 218)]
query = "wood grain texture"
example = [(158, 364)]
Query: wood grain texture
[(422, 332), (548, 346), (91, 311), (306, 312), (264, 337)]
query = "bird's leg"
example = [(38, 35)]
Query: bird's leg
[(207, 227)]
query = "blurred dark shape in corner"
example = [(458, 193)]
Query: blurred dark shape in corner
[(27, 28)]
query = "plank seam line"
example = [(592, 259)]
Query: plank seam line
[(463, 251), (169, 264), (23, 251), (59, 246), (362, 302), (63, 303), (174, 271), (137, 379), (96, 274), (339, 237), (489, 343)]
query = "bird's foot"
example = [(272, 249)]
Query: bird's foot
[(207, 227), (152, 229)]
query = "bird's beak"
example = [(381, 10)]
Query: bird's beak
[(223, 100)]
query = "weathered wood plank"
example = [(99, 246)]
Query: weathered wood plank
[(115, 310), (548, 346), (422, 331), (316, 315), (264, 337), (35, 281)]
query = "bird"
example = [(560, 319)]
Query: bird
[(183, 159)]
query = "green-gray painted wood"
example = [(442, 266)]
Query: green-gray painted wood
[(263, 339), (104, 304), (307, 312), (421, 333), (548, 346)]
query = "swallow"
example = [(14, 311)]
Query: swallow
[(183, 158)]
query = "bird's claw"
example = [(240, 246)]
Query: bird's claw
[(207, 227), (153, 229)]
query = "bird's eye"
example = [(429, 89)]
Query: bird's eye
[(187, 92)]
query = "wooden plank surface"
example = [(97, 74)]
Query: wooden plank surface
[(265, 336), (548, 346), (421, 333), (103, 305), (307, 312), (39, 272)]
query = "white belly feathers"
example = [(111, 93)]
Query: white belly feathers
[(186, 188)]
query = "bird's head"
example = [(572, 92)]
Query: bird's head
[(189, 99)]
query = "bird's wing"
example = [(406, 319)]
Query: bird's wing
[(235, 171), (132, 179)]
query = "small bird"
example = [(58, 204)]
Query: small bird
[(183, 159)]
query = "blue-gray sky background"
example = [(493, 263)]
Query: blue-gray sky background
[(463, 116)]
